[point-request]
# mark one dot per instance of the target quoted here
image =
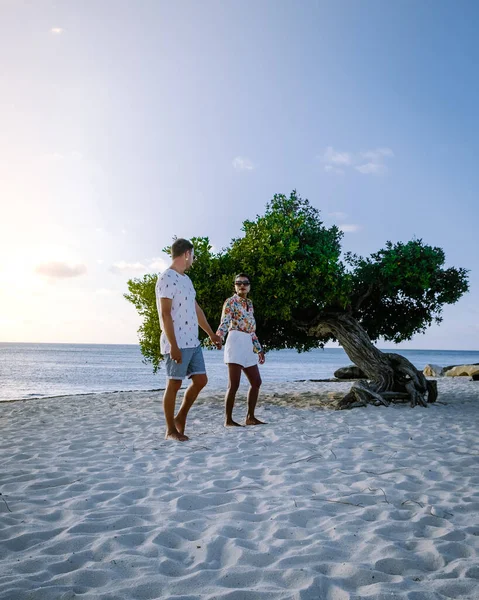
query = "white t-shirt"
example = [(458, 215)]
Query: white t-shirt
[(179, 288)]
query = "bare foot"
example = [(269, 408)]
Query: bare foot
[(254, 421), (231, 423), (176, 435), (180, 424)]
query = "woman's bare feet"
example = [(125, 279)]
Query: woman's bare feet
[(254, 421), (176, 435), (231, 423)]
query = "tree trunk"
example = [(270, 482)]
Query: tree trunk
[(391, 376)]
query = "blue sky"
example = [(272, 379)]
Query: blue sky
[(126, 123)]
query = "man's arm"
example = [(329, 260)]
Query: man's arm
[(165, 307), (205, 326)]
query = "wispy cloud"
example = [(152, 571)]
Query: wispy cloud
[(349, 227), (154, 265), (121, 267), (346, 227), (57, 30), (378, 154), (369, 162), (334, 170), (240, 163), (158, 264), (60, 270), (333, 157)]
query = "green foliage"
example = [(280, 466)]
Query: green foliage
[(142, 296), (404, 288), (296, 271), (293, 262)]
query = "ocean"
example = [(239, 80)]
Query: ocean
[(44, 370)]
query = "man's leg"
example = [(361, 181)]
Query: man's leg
[(234, 378), (198, 382), (169, 400), (254, 378)]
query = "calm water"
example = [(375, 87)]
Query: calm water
[(39, 370)]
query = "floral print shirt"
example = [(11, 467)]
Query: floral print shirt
[(238, 315)]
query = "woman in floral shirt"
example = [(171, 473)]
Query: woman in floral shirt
[(242, 350)]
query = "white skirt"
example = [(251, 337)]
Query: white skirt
[(239, 349)]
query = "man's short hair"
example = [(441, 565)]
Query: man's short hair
[(180, 246)]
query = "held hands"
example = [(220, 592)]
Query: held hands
[(216, 341), (175, 354), (261, 358)]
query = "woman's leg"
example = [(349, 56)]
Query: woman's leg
[(234, 377), (254, 378)]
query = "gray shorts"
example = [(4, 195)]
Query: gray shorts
[(192, 363)]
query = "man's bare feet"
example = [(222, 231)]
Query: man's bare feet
[(176, 435), (180, 424), (254, 421), (231, 423)]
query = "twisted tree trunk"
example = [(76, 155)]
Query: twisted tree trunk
[(390, 376)]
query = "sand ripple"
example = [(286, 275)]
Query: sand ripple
[(372, 503)]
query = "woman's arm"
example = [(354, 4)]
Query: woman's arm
[(225, 320), (256, 345)]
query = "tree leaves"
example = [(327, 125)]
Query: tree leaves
[(406, 287), (297, 275)]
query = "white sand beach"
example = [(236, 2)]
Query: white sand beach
[(378, 503)]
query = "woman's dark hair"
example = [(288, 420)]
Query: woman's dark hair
[(242, 275), (180, 246)]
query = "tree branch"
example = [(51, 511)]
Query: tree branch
[(366, 295)]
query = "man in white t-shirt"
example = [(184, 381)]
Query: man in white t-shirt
[(180, 316)]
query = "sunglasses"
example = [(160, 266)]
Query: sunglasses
[(240, 282)]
